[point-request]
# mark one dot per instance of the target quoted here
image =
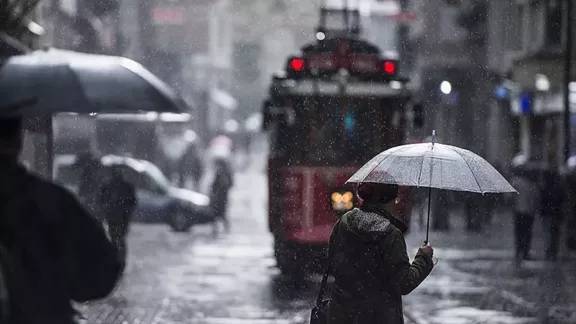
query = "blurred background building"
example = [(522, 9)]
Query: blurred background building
[(490, 74)]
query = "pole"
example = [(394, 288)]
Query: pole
[(403, 34), (428, 220), (567, 75), (346, 16), (430, 190), (49, 147)]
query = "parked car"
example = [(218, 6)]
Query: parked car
[(158, 200)]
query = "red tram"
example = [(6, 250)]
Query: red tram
[(339, 103)]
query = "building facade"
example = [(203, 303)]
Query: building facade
[(450, 69)]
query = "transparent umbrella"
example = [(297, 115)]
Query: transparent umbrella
[(433, 165)]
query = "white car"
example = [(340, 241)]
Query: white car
[(158, 201)]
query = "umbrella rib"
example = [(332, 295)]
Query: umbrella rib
[(420, 174), (469, 168)]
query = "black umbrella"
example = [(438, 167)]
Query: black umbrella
[(52, 81)]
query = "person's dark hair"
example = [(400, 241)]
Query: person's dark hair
[(10, 136), (377, 192)]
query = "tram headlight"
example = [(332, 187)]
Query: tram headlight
[(342, 201)]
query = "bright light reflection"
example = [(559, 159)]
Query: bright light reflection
[(541, 82), (446, 87), (396, 85)]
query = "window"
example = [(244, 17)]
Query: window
[(333, 131)]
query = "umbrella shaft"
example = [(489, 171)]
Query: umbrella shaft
[(428, 219)]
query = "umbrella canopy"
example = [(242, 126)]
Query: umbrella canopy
[(52, 81), (434, 166)]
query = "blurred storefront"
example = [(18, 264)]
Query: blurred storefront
[(536, 87), (537, 75)]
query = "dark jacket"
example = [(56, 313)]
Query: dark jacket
[(552, 195), (58, 252), (371, 268), (117, 197)]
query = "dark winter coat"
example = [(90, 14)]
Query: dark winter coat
[(117, 200), (57, 252), (371, 268)]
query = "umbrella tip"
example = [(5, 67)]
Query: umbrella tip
[(433, 137)]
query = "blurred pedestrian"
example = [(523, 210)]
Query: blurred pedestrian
[(552, 196), (525, 207), (369, 261), (441, 206), (117, 200), (223, 181), (90, 181), (478, 210), (190, 167), (54, 251), (570, 228)]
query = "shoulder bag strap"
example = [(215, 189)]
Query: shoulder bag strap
[(324, 284)]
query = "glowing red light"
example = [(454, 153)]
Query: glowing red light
[(389, 67), (296, 64)]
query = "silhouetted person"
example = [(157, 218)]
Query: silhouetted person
[(190, 167), (478, 210), (370, 263), (570, 227), (223, 181), (90, 181), (526, 205), (54, 251), (117, 200), (552, 198)]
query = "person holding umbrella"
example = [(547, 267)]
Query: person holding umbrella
[(370, 263), (367, 253)]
